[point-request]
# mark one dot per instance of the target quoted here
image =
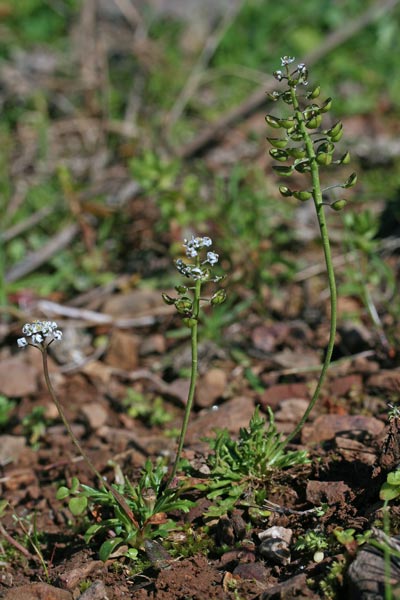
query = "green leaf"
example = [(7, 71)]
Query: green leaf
[(62, 492), (78, 505), (74, 484), (388, 492), (394, 478), (132, 553), (108, 547)]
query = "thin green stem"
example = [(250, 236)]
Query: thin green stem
[(386, 551), (193, 378), (317, 196), (117, 496)]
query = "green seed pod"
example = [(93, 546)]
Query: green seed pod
[(280, 155), (324, 159), (334, 130), (337, 137), (327, 147), (189, 321), (352, 180), (338, 204), (302, 166), (181, 289), (286, 123), (311, 111), (314, 123), (287, 97), (218, 298), (297, 152), (274, 96), (314, 93), (183, 305), (278, 142), (302, 195), (285, 191), (327, 105), (283, 170), (345, 159), (273, 122), (168, 299), (295, 134)]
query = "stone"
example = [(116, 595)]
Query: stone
[(17, 377), (211, 387), (123, 351), (326, 427), (37, 591)]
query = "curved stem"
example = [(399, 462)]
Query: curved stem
[(117, 496), (318, 203), (193, 379)]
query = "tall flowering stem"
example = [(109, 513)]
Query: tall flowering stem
[(311, 148), (40, 334), (199, 270)]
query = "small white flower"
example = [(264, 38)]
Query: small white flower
[(196, 273), (207, 241), (37, 338), (41, 334), (286, 60), (278, 75), (212, 258)]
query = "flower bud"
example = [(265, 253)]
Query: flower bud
[(338, 204), (352, 180), (302, 195), (285, 191), (183, 305), (277, 142), (218, 298), (277, 154), (181, 289)]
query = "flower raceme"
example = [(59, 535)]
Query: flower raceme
[(194, 249), (39, 334)]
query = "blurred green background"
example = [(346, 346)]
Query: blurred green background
[(102, 99)]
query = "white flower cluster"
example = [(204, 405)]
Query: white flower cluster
[(39, 333), (193, 250), (287, 60)]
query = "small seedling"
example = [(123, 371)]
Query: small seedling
[(304, 147), (147, 500), (246, 463), (6, 408)]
